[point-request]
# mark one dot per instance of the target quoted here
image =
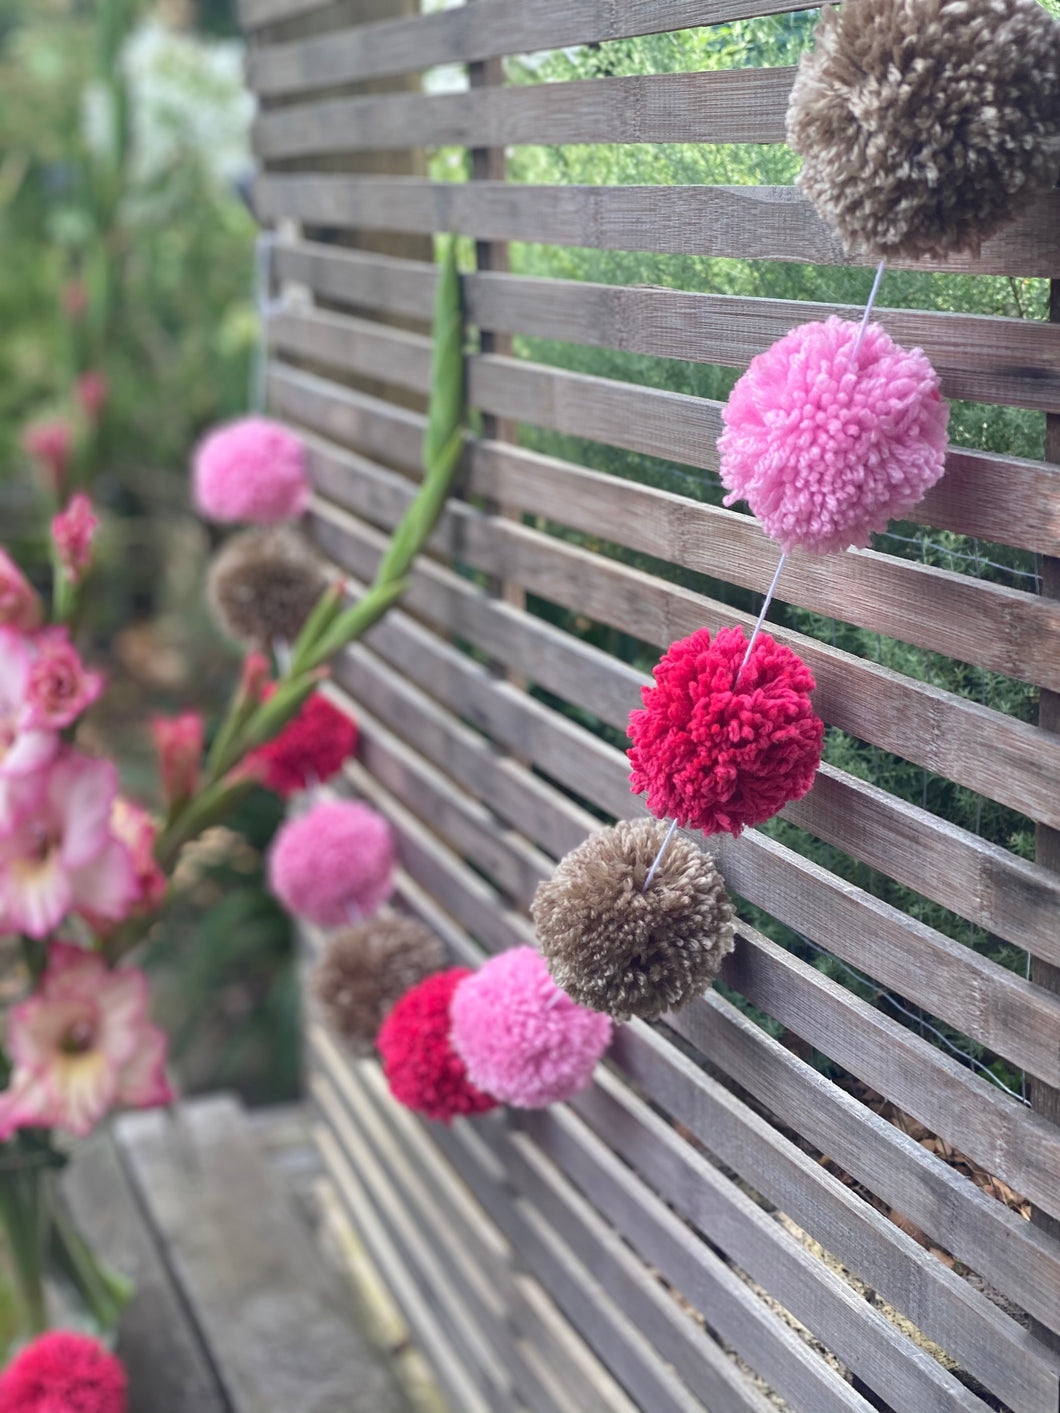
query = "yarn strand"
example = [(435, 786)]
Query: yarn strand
[(868, 308), (659, 856)]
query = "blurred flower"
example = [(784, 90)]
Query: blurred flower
[(73, 531), (92, 391), (58, 686), (133, 826), (64, 1372), (50, 444), (254, 683), (179, 743), (62, 857), (20, 605), (82, 1044), (75, 298), (24, 750), (309, 749)]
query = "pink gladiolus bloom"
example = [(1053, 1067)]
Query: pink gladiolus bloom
[(20, 605), (133, 826), (50, 445), (179, 742), (73, 531), (59, 687), (92, 391), (25, 749), (82, 1044), (62, 857)]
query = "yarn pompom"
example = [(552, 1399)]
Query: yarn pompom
[(263, 585), (826, 447), (523, 1040), (333, 864), (615, 947), (252, 469), (366, 968), (423, 1070), (309, 750), (925, 125), (64, 1372), (719, 754)]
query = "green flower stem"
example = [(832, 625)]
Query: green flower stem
[(105, 1292)]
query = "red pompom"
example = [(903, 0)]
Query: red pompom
[(64, 1372), (309, 750), (422, 1068), (717, 756)]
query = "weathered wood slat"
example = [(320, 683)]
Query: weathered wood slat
[(450, 1369), (610, 688), (979, 357), (987, 624), (972, 1114), (726, 105), (745, 223), (943, 1306), (451, 37), (279, 1327)]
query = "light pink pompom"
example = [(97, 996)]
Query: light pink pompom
[(522, 1039), (333, 865), (252, 469), (826, 450)]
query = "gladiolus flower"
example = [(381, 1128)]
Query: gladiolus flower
[(179, 742), (73, 531), (20, 605), (59, 687), (134, 827), (50, 445), (82, 1044), (62, 856), (24, 749), (92, 391)]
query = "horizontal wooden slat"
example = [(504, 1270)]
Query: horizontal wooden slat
[(453, 37), (1009, 1140), (745, 222), (685, 429), (727, 105), (979, 357)]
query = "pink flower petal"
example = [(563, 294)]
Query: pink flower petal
[(107, 886), (35, 897), (87, 1087), (30, 751), (81, 792), (19, 797), (142, 1083), (28, 1102), (122, 1002)]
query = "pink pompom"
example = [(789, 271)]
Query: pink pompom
[(333, 865), (423, 1070), (720, 755), (522, 1038), (64, 1372), (252, 469), (826, 448)]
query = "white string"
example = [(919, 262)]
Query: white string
[(761, 618), (659, 856), (868, 308)]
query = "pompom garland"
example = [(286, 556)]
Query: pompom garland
[(523, 1040), (366, 968), (827, 447), (617, 948), (720, 755), (423, 1070), (925, 125), (251, 469), (334, 864), (263, 585), (309, 750), (64, 1372)]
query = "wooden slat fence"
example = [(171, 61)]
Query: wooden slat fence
[(832, 1183)]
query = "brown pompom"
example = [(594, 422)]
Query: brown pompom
[(263, 585), (615, 948), (926, 125), (366, 968)]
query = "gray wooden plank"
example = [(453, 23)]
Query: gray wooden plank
[(979, 357), (725, 105), (747, 223), (278, 1321), (165, 1357)]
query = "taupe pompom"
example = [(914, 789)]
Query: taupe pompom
[(366, 968), (263, 585), (925, 125), (615, 948)]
